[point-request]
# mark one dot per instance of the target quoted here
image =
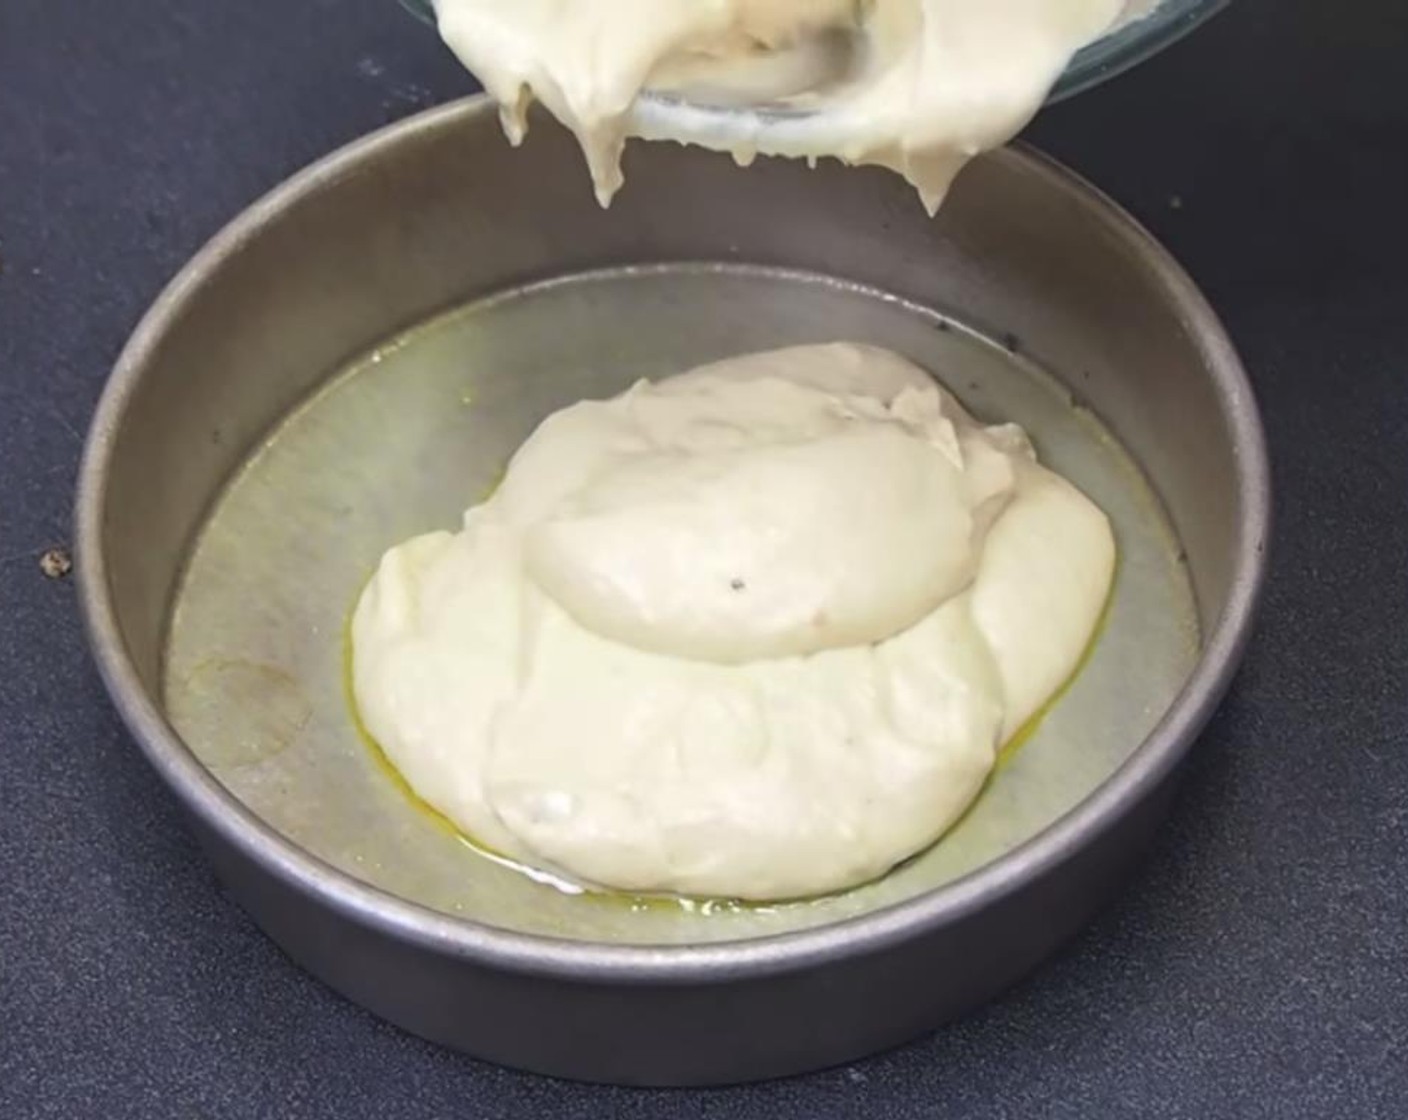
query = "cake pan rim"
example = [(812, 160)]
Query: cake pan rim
[(226, 818)]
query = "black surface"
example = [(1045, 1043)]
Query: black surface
[(1256, 968)]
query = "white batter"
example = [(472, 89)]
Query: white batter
[(920, 86), (755, 631)]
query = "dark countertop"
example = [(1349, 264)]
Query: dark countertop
[(1257, 967)]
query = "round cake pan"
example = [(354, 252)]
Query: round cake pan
[(352, 360)]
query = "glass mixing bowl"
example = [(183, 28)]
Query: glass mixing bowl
[(1131, 43)]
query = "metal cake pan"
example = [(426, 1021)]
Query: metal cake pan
[(220, 541)]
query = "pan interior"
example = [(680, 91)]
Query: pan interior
[(407, 436)]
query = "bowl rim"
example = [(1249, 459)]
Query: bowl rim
[(1109, 56), (1129, 45), (486, 945)]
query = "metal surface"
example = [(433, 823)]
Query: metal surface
[(436, 213)]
